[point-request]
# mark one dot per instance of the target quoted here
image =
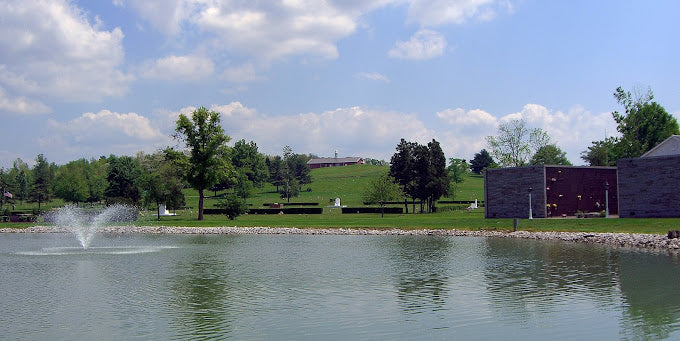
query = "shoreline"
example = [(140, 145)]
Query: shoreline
[(630, 240)]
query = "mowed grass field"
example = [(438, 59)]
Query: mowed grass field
[(348, 184)]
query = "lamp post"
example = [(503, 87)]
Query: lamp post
[(606, 199), (530, 214)]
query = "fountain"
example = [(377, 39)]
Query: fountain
[(84, 223)]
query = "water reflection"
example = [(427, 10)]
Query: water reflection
[(649, 285), (421, 272), (200, 287)]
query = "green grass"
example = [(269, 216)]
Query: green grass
[(347, 183)]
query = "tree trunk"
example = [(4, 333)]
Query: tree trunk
[(382, 210), (200, 204), (406, 205)]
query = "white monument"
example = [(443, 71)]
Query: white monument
[(162, 211)]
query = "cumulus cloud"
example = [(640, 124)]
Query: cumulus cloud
[(438, 12), (242, 74), (51, 48), (374, 76), (20, 105), (181, 68), (103, 133), (424, 44)]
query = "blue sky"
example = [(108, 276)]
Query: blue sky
[(81, 79)]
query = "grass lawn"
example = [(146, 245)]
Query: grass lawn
[(347, 183)]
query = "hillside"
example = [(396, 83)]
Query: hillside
[(346, 183)]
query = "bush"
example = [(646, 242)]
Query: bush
[(232, 206)]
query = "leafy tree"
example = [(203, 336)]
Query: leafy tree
[(438, 181), (375, 162), (644, 125), (550, 155), (481, 161), (233, 205), (602, 153), (70, 182), (289, 184), (162, 181), (20, 177), (208, 163), (275, 166), (300, 168), (401, 167), (41, 191), (246, 159), (124, 175), (380, 190), (96, 173), (457, 170), (243, 184), (515, 143)]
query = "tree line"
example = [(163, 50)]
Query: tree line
[(203, 162)]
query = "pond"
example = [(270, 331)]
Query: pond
[(293, 287)]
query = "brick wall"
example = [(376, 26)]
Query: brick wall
[(649, 187), (506, 192)]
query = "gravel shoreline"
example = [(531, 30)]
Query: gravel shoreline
[(631, 240)]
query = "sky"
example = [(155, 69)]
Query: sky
[(84, 79)]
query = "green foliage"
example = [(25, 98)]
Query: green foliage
[(233, 205), (161, 180), (382, 189), (550, 155), (123, 176), (70, 182), (515, 143), (457, 170), (41, 190), (420, 171), (644, 124), (247, 160), (208, 161), (602, 153), (481, 162)]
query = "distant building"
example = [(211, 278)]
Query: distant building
[(334, 162), (554, 191)]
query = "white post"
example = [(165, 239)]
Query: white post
[(606, 199), (530, 213)]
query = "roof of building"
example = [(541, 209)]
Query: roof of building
[(351, 159), (669, 146)]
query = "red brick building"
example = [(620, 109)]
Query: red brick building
[(334, 162)]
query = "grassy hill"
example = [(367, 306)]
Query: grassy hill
[(347, 183)]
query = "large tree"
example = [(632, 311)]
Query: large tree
[(161, 181), (602, 153), (247, 160), (550, 155), (70, 182), (41, 191), (124, 177), (644, 124), (401, 167), (481, 161), (457, 170), (515, 143), (207, 144)]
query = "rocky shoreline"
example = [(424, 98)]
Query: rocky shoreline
[(631, 240)]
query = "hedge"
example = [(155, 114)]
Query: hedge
[(293, 210), (350, 210)]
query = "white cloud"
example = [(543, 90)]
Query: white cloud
[(438, 12), (460, 117), (181, 68), (424, 44), (374, 76), (242, 74), (353, 131), (102, 133), (20, 105), (51, 48)]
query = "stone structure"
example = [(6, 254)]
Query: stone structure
[(649, 187), (555, 191)]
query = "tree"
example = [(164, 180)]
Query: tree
[(275, 166), (300, 168), (515, 143), (246, 159), (380, 190), (208, 163), (644, 125), (550, 155), (70, 182), (96, 172), (481, 161), (602, 153), (20, 176), (41, 191), (401, 167), (124, 175), (233, 206), (161, 181), (457, 170), (438, 181)]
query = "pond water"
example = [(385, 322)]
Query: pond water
[(293, 287)]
